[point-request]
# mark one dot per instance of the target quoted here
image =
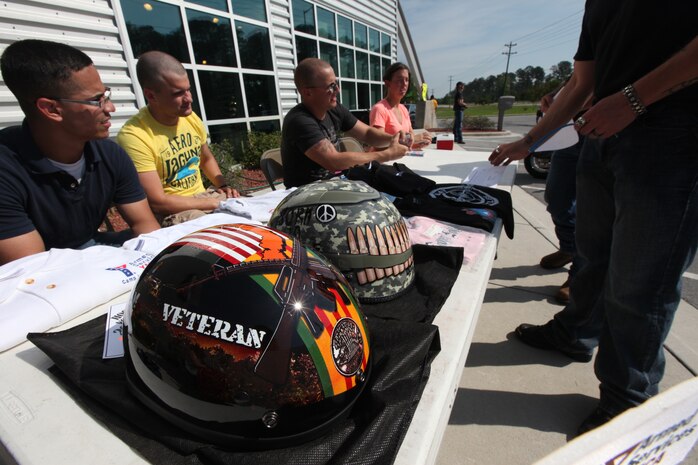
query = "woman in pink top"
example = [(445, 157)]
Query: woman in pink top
[(390, 115)]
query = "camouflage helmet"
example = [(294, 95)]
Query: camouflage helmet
[(357, 229)]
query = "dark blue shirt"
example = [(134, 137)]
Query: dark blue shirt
[(36, 195)]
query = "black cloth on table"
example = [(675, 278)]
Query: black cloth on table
[(465, 204), (396, 179), (403, 344)]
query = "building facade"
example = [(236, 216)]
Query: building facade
[(240, 54)]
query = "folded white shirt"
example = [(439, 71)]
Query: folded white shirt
[(42, 291), (257, 208)]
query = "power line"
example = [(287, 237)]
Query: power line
[(560, 29), (551, 24), (550, 46), (551, 35)]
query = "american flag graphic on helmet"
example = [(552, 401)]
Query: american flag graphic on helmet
[(231, 243)]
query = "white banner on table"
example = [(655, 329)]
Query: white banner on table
[(663, 431)]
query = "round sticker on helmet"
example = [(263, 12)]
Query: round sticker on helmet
[(347, 347), (325, 213)]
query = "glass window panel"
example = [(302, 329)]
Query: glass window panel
[(254, 9), (254, 46), (195, 98), (305, 48), (221, 95), (361, 65), (360, 32), (155, 26), (364, 95), (348, 94), (303, 17), (374, 40), (235, 132), (376, 70), (386, 63), (261, 95), (211, 39), (325, 24), (376, 93), (216, 4), (346, 62), (385, 40), (346, 32), (328, 52), (266, 126)]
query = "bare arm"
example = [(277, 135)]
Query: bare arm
[(164, 204), (371, 135), (21, 246), (564, 107), (417, 141), (209, 166), (325, 154), (546, 101), (421, 140), (614, 113), (138, 216)]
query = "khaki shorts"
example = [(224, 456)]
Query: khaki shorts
[(187, 215)]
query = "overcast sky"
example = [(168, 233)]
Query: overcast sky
[(464, 39)]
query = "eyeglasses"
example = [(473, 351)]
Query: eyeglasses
[(97, 102), (330, 89)]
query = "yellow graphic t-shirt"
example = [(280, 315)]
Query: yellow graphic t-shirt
[(174, 152)]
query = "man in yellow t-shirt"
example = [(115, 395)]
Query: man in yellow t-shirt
[(167, 142)]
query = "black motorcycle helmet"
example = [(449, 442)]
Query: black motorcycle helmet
[(243, 337)]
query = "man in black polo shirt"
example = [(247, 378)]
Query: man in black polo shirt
[(309, 134), (637, 193), (59, 174)]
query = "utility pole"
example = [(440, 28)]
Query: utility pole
[(506, 73), (450, 82)]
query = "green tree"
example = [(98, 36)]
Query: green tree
[(561, 71), (526, 84)]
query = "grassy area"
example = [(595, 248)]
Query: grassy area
[(445, 111)]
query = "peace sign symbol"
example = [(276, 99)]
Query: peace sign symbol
[(325, 213)]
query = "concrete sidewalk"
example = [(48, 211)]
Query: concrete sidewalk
[(517, 404)]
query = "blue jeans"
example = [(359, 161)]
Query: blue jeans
[(111, 238), (561, 195), (458, 126), (637, 229)]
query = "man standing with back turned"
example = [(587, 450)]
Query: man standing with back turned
[(637, 193), (58, 171), (167, 142)]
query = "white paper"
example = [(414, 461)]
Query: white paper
[(565, 137), (114, 332), (485, 176)]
